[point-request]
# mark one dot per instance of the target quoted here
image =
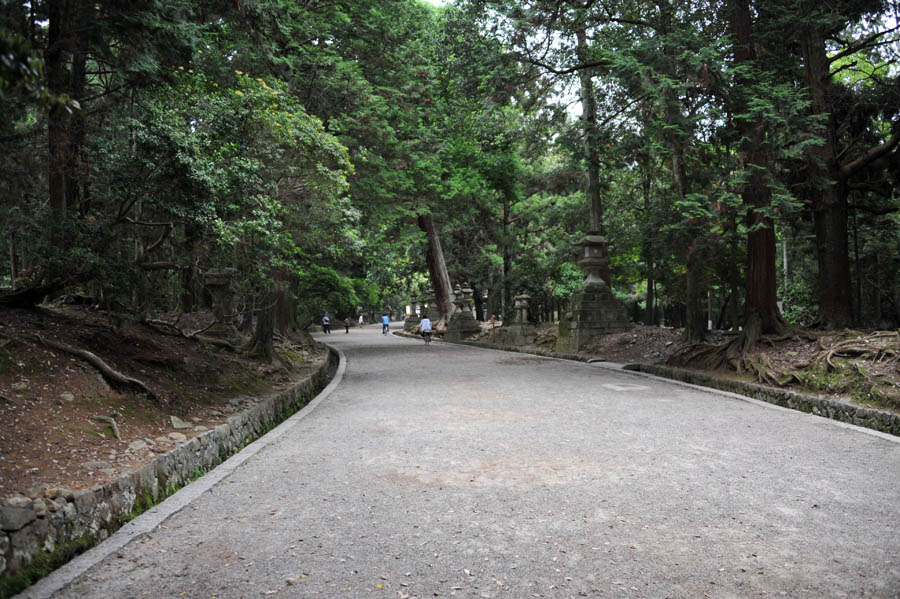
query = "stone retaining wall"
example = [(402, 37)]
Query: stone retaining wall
[(878, 420), (32, 526)]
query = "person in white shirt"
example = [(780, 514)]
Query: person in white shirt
[(425, 327)]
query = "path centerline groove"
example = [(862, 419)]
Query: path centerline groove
[(452, 471)]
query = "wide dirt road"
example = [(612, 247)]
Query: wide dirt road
[(450, 471)]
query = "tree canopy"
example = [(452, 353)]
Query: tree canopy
[(740, 157)]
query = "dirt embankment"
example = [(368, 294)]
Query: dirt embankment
[(66, 424)]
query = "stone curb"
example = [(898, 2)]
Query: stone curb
[(878, 420), (97, 512), (871, 418), (510, 348)]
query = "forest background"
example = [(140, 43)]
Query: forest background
[(188, 185), (739, 157)]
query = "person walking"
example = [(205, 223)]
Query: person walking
[(385, 324), (326, 324), (361, 320), (346, 324), (425, 327)]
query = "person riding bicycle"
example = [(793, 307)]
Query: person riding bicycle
[(385, 324), (425, 327)]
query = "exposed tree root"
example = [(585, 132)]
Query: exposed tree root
[(737, 354), (840, 356), (223, 343), (171, 328), (116, 379), (167, 327), (879, 347)]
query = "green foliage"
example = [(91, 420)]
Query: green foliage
[(22, 74), (326, 291), (277, 139), (799, 303)]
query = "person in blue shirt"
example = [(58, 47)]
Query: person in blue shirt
[(385, 323)]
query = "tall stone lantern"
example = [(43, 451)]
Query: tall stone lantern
[(218, 282), (520, 332), (521, 301), (593, 309), (469, 299), (462, 323), (413, 319), (431, 310)]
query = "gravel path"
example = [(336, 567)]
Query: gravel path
[(450, 471)]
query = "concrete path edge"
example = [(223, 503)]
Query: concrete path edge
[(152, 518)]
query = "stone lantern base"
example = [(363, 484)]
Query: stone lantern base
[(519, 334), (462, 324), (592, 311)]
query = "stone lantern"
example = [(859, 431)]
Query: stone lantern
[(593, 260), (593, 309), (462, 323), (218, 282), (520, 332), (431, 309), (413, 319), (521, 301)]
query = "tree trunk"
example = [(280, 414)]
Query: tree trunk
[(650, 307), (875, 290), (723, 312), (695, 320), (831, 176), (262, 344), (437, 268), (285, 304), (857, 268), (506, 295), (479, 303), (247, 315), (829, 200), (694, 326), (647, 252), (57, 119), (186, 296), (491, 298), (761, 308), (13, 270), (74, 169), (591, 155)]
